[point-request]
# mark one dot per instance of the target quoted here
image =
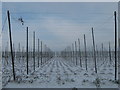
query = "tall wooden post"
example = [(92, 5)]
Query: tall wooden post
[(34, 49), (27, 49), (115, 46), (85, 52), (45, 53), (65, 53), (110, 53), (76, 52), (119, 51), (94, 50), (73, 51), (23, 52), (41, 53), (102, 51), (79, 52), (12, 56), (38, 52), (19, 51)]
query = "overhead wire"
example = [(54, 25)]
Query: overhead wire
[(4, 23), (3, 26), (103, 23)]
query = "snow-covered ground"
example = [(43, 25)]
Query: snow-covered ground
[(60, 73)]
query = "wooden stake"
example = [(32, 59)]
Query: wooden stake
[(41, 52), (115, 46), (110, 53), (94, 50), (76, 52), (73, 51), (102, 51), (38, 52), (19, 54), (85, 52), (12, 56), (79, 52), (34, 49), (27, 49)]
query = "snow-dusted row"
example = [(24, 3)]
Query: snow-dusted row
[(58, 73)]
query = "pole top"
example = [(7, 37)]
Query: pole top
[(114, 12), (7, 10), (92, 28)]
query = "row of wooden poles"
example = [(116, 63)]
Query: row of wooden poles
[(78, 53), (43, 52), (94, 50), (74, 53), (20, 53), (49, 54)]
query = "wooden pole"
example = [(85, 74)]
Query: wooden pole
[(45, 53), (27, 49), (102, 51), (110, 53), (34, 49), (41, 52), (73, 51), (94, 50), (76, 52), (79, 52), (115, 46), (19, 54), (85, 52), (38, 52), (12, 56)]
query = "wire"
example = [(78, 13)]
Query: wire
[(3, 26), (4, 23), (101, 25)]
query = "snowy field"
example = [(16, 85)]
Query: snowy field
[(66, 45), (59, 73)]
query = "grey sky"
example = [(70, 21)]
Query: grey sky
[(59, 24)]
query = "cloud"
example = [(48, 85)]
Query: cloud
[(65, 31), (59, 25)]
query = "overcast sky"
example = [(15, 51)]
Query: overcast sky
[(60, 24)]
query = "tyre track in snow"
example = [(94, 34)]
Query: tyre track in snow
[(55, 74), (65, 73), (39, 75), (45, 72), (48, 73)]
